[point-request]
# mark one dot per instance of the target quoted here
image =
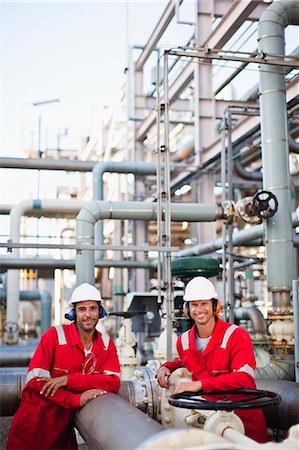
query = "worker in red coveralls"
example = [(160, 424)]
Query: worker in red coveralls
[(219, 355), (72, 365)]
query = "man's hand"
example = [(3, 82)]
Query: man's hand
[(86, 396), (162, 376), (188, 386), (52, 385)]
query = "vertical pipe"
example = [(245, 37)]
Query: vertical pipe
[(296, 327), (223, 199), (159, 185), (13, 282), (46, 310), (167, 212), (231, 300), (274, 132)]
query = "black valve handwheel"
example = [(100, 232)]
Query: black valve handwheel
[(265, 204), (255, 398)]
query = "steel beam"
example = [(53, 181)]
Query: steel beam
[(163, 23), (234, 17)]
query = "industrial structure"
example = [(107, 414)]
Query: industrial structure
[(197, 174)]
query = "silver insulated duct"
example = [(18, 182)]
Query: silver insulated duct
[(274, 132)]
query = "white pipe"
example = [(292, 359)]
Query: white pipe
[(239, 238), (137, 168), (275, 150), (296, 327), (16, 213), (47, 164), (237, 438), (95, 211)]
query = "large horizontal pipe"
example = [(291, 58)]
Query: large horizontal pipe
[(239, 238), (282, 416), (109, 422), (51, 263), (286, 414), (47, 164), (12, 383), (16, 355)]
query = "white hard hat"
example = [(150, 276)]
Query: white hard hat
[(199, 288), (86, 292)]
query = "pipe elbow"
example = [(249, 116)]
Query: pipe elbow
[(253, 314)]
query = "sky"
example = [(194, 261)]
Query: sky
[(61, 63), (72, 52)]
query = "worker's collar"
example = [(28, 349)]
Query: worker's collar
[(74, 338)]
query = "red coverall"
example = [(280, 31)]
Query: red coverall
[(47, 422), (227, 363)]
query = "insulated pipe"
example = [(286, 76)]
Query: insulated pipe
[(13, 284), (253, 314), (239, 238), (95, 211), (286, 414), (95, 419), (137, 168), (109, 422), (274, 133), (68, 165), (246, 174), (280, 367), (16, 356), (46, 304), (46, 310), (12, 382), (296, 327), (48, 263)]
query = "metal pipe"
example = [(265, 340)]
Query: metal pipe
[(246, 174), (24, 295), (13, 381), (109, 422), (231, 297), (13, 288), (296, 327), (137, 168), (239, 238), (274, 132), (39, 263), (253, 314), (159, 183), (46, 310), (67, 165), (286, 414), (282, 416), (166, 206), (224, 225), (94, 211), (280, 367), (16, 356), (46, 304)]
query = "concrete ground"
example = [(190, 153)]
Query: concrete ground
[(5, 423)]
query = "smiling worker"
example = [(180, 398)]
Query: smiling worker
[(219, 355), (72, 365)]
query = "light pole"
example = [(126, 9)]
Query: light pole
[(39, 148), (39, 127)]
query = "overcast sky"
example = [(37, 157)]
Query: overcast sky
[(72, 51)]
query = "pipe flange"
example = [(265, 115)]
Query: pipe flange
[(146, 378), (244, 210), (230, 211)]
